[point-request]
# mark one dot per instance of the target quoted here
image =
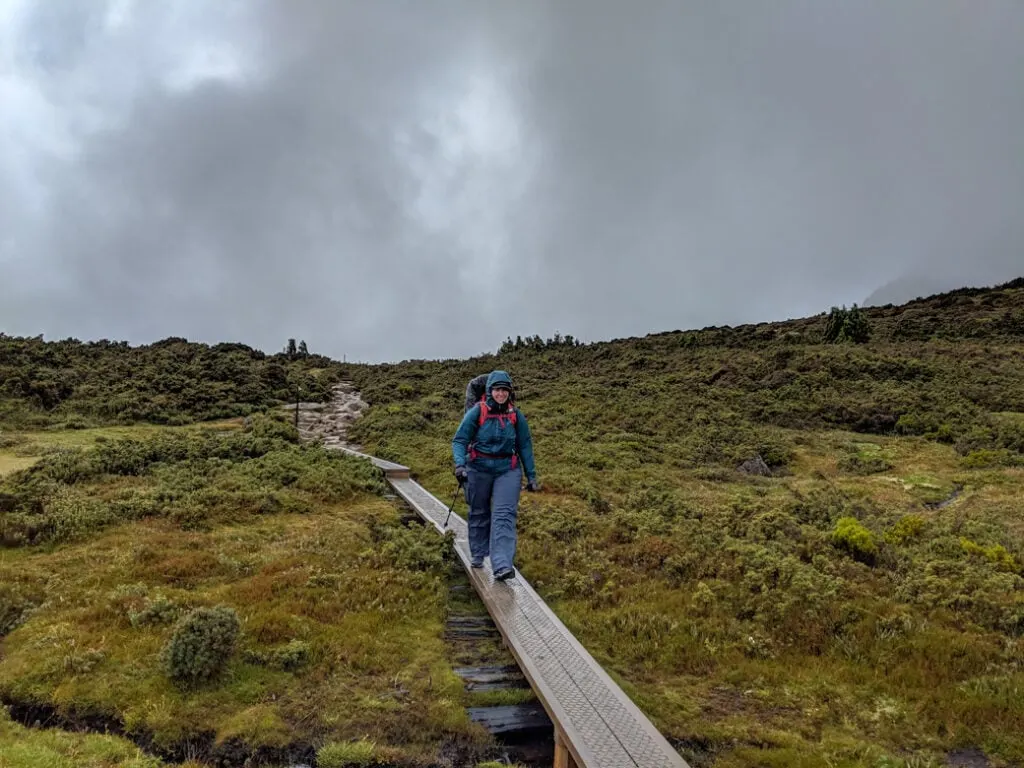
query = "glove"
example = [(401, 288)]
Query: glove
[(461, 474), (532, 485)]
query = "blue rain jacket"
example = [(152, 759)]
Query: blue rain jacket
[(496, 436)]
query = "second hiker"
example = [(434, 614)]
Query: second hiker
[(492, 449)]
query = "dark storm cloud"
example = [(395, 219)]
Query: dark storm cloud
[(729, 162), (405, 179)]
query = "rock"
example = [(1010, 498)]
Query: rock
[(755, 466), (327, 423)]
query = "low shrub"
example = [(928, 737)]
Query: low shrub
[(290, 657), (201, 645), (860, 464), (906, 529), (852, 537), (159, 610), (16, 602)]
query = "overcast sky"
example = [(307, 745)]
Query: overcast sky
[(395, 179)]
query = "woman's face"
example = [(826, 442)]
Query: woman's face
[(500, 395)]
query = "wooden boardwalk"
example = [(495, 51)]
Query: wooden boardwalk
[(596, 724)]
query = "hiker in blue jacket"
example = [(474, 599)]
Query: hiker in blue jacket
[(492, 449)]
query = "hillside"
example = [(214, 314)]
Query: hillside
[(864, 602), (930, 280), (861, 605), (75, 384)]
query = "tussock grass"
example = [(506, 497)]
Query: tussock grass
[(22, 747), (347, 754)]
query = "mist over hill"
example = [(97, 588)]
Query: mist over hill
[(942, 275)]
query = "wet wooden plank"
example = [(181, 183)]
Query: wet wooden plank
[(516, 718), (484, 675)]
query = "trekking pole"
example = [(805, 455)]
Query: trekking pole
[(454, 499)]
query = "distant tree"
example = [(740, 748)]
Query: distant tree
[(856, 328), (834, 325), (537, 343), (296, 351), (847, 325)]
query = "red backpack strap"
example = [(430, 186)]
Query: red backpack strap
[(485, 414)]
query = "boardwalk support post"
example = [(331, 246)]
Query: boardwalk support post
[(563, 758)]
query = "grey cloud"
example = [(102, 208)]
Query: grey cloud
[(393, 179), (757, 162)]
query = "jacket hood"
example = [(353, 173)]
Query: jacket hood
[(498, 377)]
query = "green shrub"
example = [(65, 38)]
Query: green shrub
[(411, 549), (995, 554), (159, 610), (775, 452), (988, 458), (289, 658), (907, 528), (201, 645), (16, 601), (851, 536), (860, 464), (73, 515), (276, 426)]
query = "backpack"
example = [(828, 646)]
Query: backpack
[(476, 392)]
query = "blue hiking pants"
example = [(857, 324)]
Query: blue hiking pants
[(493, 506)]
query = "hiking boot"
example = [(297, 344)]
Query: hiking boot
[(504, 574)]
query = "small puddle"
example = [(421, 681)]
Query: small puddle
[(971, 757)]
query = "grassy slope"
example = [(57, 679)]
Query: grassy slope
[(11, 463), (733, 608), (342, 608)]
